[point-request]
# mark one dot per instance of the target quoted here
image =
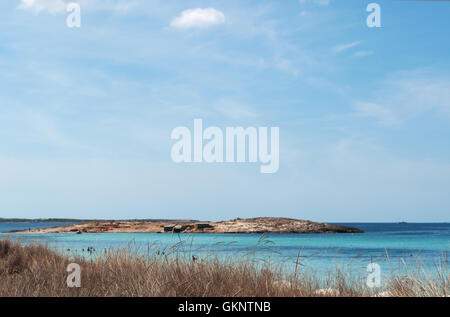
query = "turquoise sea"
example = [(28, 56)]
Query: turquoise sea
[(396, 247)]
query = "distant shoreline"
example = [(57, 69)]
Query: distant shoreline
[(12, 220)]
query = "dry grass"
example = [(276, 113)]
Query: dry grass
[(35, 270)]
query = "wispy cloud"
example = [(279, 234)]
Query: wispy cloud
[(418, 91), (198, 18), (344, 47), (406, 95), (47, 132), (287, 66), (382, 114), (59, 6), (38, 6), (318, 2), (362, 53), (234, 110)]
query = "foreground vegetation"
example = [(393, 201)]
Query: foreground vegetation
[(35, 270)]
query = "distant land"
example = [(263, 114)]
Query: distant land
[(38, 220), (84, 220), (238, 225)]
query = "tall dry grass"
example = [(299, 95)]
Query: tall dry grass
[(36, 270)]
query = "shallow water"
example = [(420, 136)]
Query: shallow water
[(393, 246)]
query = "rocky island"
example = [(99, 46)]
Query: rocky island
[(252, 225)]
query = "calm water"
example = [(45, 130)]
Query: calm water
[(390, 245)]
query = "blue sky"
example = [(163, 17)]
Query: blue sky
[(364, 113)]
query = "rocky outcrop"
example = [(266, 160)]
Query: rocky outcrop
[(252, 225), (279, 225)]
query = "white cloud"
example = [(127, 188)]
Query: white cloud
[(318, 2), (322, 2), (344, 47), (234, 110), (406, 95), (420, 91), (37, 6), (125, 6), (116, 6), (198, 18), (59, 6), (362, 53), (382, 114), (287, 66)]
